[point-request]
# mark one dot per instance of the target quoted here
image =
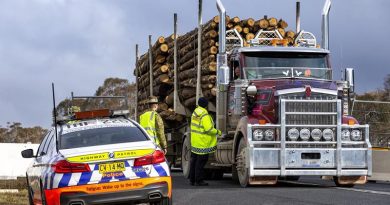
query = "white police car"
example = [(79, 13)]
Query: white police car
[(98, 159)]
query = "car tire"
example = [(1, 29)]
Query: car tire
[(29, 190), (242, 171), (43, 195)]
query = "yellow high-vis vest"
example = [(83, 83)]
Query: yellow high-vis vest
[(203, 133), (148, 122)]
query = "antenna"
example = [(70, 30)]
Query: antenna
[(54, 114)]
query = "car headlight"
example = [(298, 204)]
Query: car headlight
[(304, 134), (356, 135), (328, 134), (293, 134), (345, 135), (258, 135), (316, 134), (269, 135)]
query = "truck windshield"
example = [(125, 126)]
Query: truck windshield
[(266, 65)]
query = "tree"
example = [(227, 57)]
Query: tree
[(387, 87)]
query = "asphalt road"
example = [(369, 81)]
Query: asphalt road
[(309, 190)]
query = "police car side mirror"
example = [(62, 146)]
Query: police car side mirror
[(28, 153)]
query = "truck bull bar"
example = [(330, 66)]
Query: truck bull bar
[(283, 157)]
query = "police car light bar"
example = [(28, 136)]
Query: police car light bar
[(92, 114)]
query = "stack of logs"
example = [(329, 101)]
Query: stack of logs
[(162, 58)]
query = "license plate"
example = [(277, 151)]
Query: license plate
[(112, 167), (311, 163)]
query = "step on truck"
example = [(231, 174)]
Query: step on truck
[(282, 114)]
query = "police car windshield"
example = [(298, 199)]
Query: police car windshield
[(101, 136)]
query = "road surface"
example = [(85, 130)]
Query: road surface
[(308, 190)]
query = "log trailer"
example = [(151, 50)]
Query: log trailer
[(281, 113)]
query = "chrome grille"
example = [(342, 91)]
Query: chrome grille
[(299, 108)]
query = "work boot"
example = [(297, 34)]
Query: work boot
[(201, 183)]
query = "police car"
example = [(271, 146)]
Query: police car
[(98, 158)]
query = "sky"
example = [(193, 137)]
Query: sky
[(78, 43)]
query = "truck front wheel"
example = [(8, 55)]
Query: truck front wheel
[(186, 157), (242, 171)]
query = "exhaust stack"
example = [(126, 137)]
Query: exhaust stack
[(325, 25), (222, 27), (298, 17)]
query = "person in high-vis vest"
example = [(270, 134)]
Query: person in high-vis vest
[(203, 141), (151, 121)]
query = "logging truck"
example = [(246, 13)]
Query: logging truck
[(281, 113)]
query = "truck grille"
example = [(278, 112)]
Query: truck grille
[(298, 110)]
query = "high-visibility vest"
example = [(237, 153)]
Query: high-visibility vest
[(148, 122), (202, 141)]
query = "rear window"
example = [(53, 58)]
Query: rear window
[(101, 136)]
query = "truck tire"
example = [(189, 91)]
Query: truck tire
[(186, 157), (242, 171), (336, 181)]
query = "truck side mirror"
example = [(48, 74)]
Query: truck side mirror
[(28, 153), (350, 78), (223, 75)]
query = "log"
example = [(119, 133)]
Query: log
[(161, 59), (234, 20), (162, 89), (186, 93), (282, 32), (183, 75), (238, 28), (161, 70), (160, 40), (273, 22), (262, 23), (207, 86), (245, 30), (249, 36), (290, 34), (169, 99), (162, 50), (282, 24), (191, 102), (250, 22)]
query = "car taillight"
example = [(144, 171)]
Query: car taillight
[(64, 166), (155, 158)]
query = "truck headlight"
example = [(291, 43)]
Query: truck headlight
[(316, 134), (304, 134), (269, 135), (345, 135), (293, 134), (356, 135), (258, 135), (328, 134)]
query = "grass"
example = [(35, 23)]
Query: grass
[(20, 198), (14, 198)]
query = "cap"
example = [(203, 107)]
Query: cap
[(152, 100), (203, 102)]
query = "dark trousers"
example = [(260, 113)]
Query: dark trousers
[(198, 161)]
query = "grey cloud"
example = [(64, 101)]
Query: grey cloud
[(77, 44)]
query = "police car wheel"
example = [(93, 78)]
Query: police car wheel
[(30, 199), (43, 196)]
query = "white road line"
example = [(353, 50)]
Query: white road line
[(342, 188)]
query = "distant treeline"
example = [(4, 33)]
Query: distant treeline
[(15, 133)]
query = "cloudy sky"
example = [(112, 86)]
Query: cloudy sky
[(79, 43)]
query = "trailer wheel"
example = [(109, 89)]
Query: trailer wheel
[(242, 171), (186, 157)]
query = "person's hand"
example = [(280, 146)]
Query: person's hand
[(165, 151)]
